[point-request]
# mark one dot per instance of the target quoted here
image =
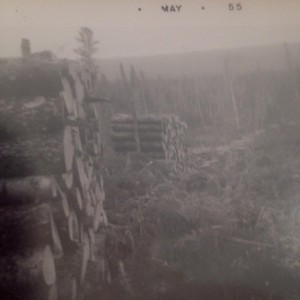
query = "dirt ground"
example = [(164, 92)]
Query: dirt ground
[(227, 229)]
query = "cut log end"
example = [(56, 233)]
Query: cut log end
[(85, 257), (68, 148), (48, 266)]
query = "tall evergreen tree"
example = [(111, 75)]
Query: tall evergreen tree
[(88, 46)]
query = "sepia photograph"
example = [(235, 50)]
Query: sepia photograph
[(149, 150)]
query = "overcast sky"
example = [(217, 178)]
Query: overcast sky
[(123, 30)]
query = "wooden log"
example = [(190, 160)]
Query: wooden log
[(25, 228), (150, 127), (41, 155), (48, 266), (67, 179), (67, 98), (85, 257), (67, 228), (30, 116), (80, 173), (77, 134), (28, 272), (100, 217), (93, 216), (123, 136), (68, 148), (141, 127), (62, 208), (124, 146), (84, 124), (31, 77), (99, 191), (73, 226), (142, 119), (122, 127), (151, 119), (157, 155), (73, 95), (81, 111), (122, 118), (57, 247), (75, 200), (79, 200), (92, 238), (92, 196), (162, 136), (68, 94), (121, 148), (151, 146), (145, 146), (151, 136), (89, 208), (26, 190)]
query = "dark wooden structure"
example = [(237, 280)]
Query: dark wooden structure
[(51, 187)]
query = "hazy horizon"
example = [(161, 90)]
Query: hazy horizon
[(123, 31)]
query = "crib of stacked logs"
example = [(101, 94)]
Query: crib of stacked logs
[(51, 189), (159, 136)]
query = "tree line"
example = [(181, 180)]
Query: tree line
[(228, 101)]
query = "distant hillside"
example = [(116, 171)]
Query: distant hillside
[(272, 57)]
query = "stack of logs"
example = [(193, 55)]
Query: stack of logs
[(51, 189), (159, 136)]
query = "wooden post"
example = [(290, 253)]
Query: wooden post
[(292, 77), (232, 94), (25, 48), (134, 99)]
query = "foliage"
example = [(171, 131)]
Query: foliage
[(262, 98), (88, 46), (233, 220)]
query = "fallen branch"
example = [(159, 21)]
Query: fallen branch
[(146, 166), (238, 240)]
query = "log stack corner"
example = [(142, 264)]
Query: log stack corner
[(159, 136), (51, 187)]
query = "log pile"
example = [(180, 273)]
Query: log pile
[(51, 188), (160, 136)]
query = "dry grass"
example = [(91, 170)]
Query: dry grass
[(234, 219)]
